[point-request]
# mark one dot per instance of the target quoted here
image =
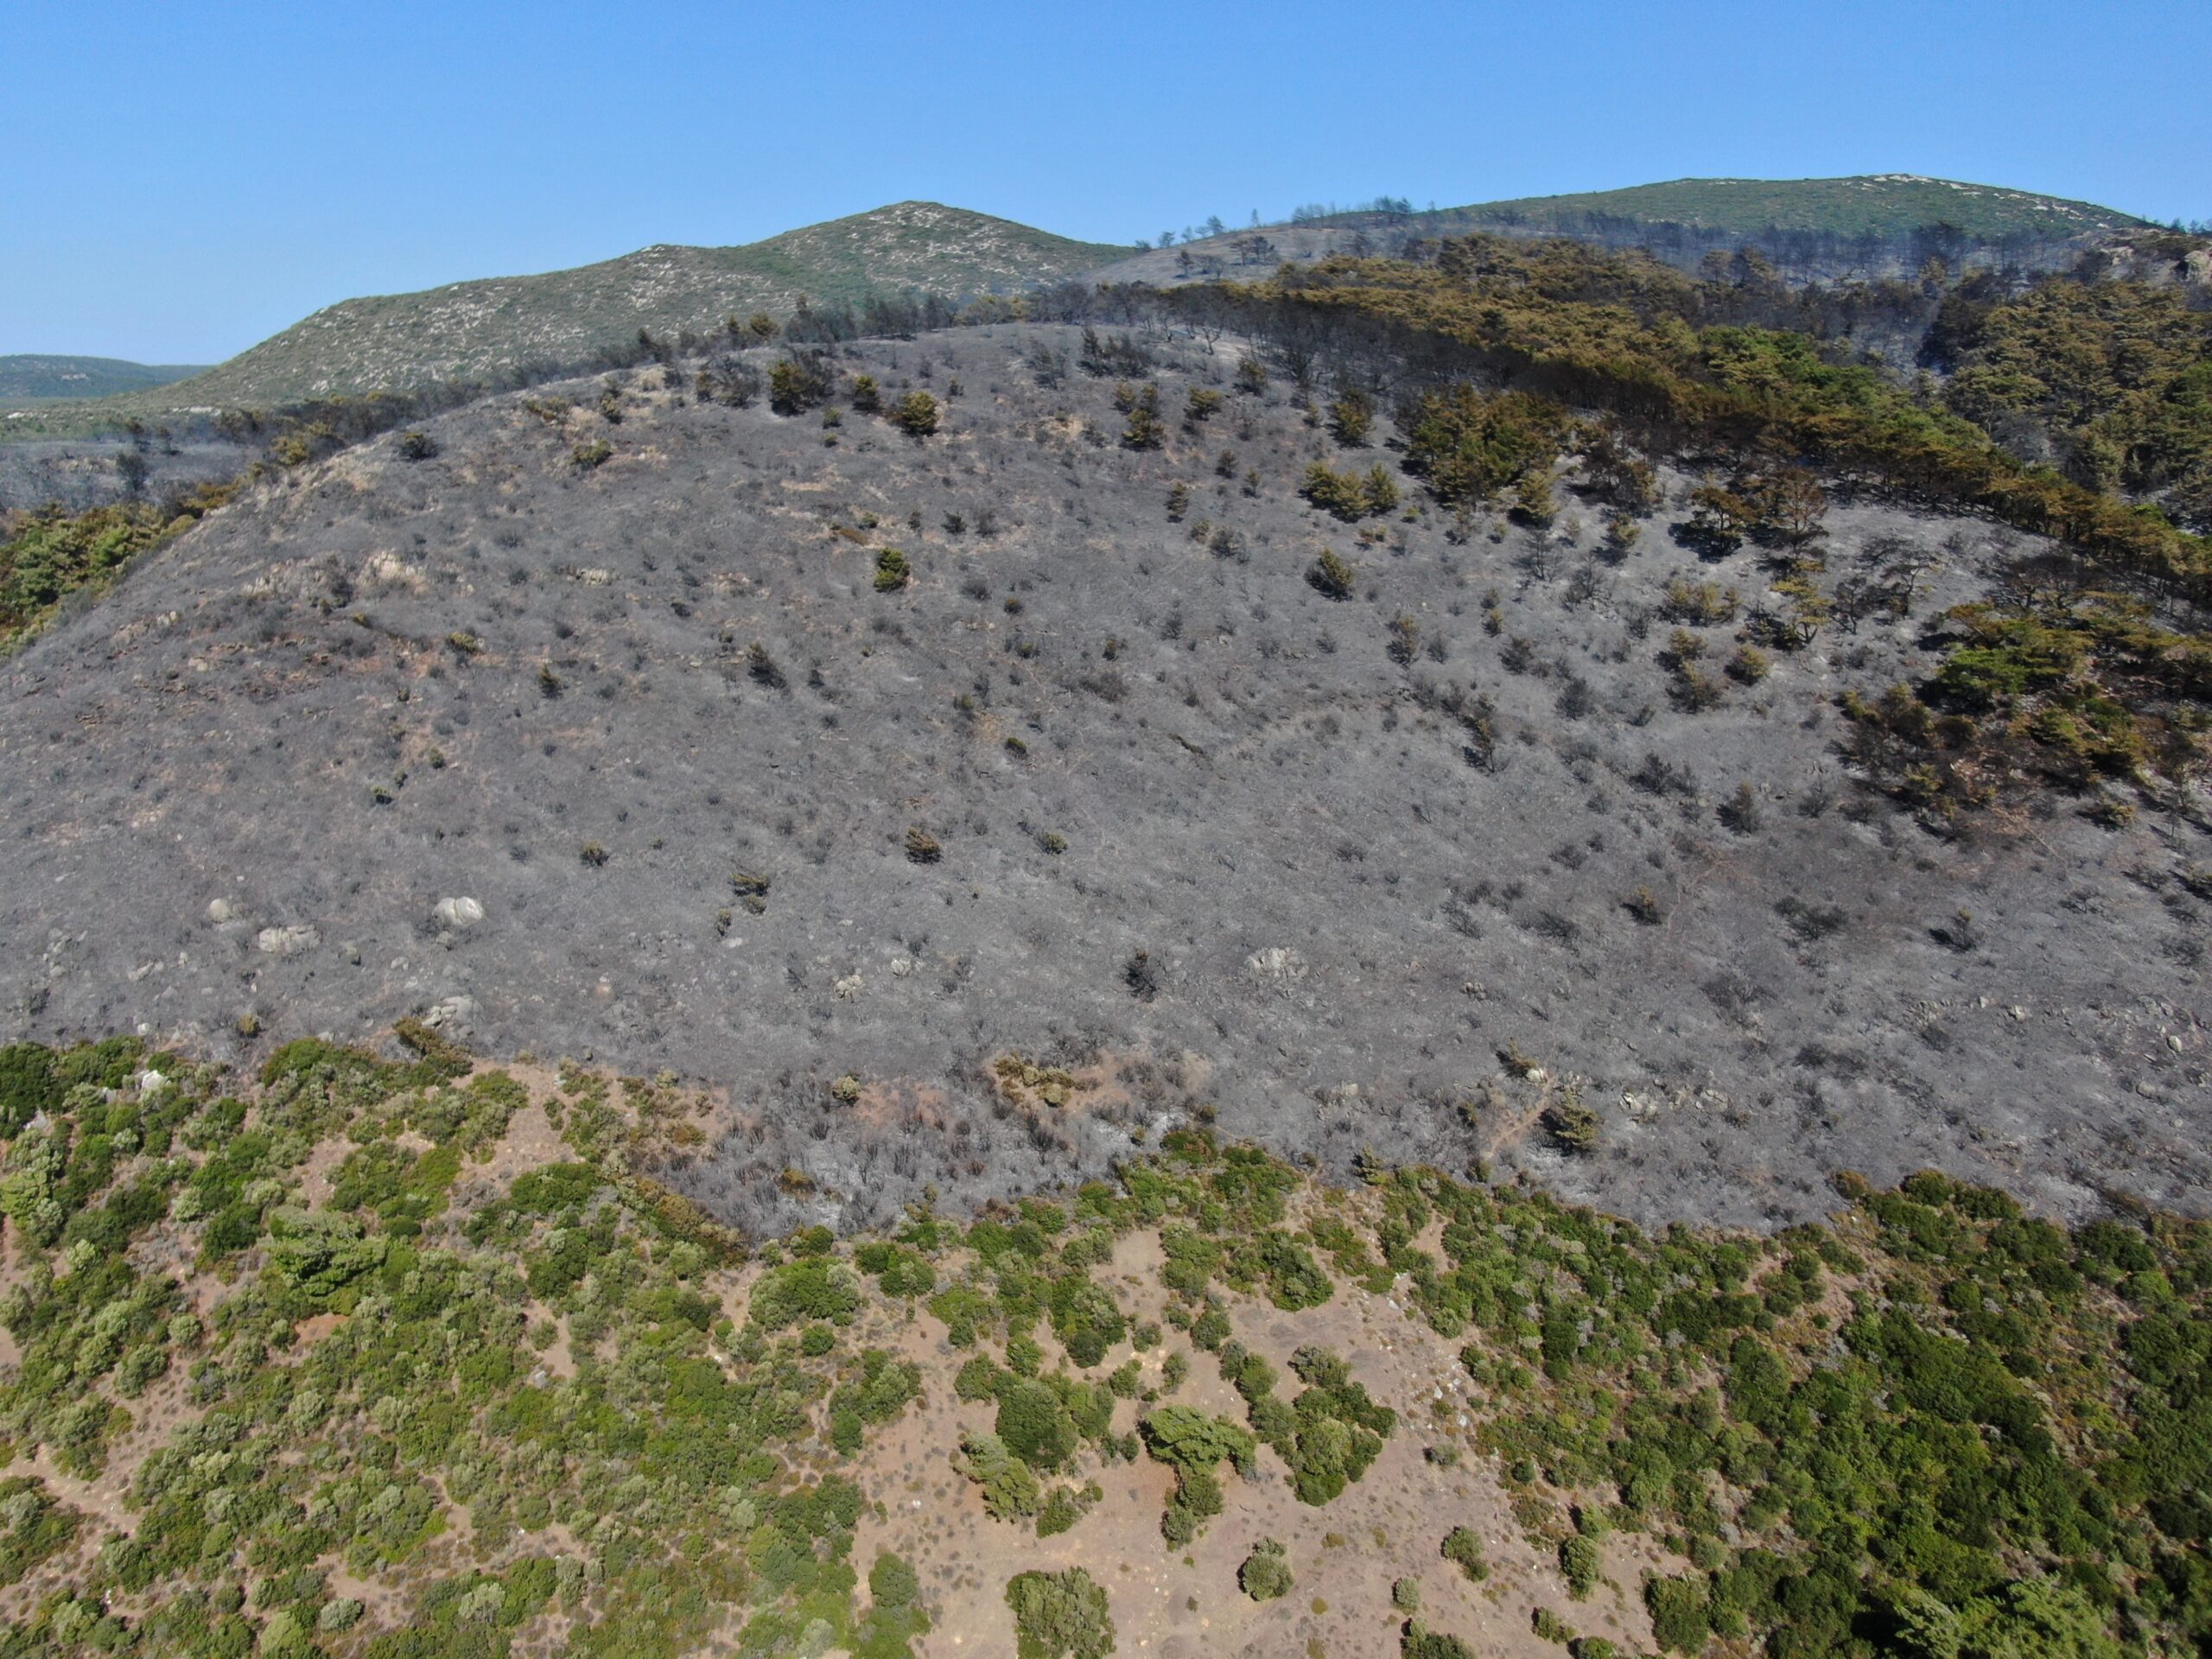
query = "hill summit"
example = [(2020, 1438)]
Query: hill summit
[(1871, 226), (1879, 204), (500, 327), (32, 374)]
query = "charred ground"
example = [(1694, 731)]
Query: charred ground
[(595, 735)]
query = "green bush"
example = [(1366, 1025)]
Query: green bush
[(33, 1527), (1035, 1424), (1677, 1607), (1064, 1507), (1349, 496), (1416, 1641), (916, 415), (1011, 1488), (799, 382), (1579, 1562), (1266, 1573), (1463, 1548), (27, 1085), (1059, 1616), (1186, 1438), (892, 571), (1193, 1443), (53, 554), (816, 1288), (1145, 430), (1086, 1319), (1351, 418), (1471, 447), (1330, 576)]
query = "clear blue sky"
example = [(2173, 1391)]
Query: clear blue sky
[(181, 179)]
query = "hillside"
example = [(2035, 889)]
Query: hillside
[(1880, 205), (496, 329), (28, 375), (1500, 953), (1882, 225), (591, 732), (373, 1360)]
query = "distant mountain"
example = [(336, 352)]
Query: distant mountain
[(32, 375), (1881, 205), (1876, 225), (490, 330)]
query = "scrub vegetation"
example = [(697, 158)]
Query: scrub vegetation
[(316, 1363)]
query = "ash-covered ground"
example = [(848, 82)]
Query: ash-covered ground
[(75, 474), (487, 737)]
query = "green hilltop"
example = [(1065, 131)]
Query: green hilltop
[(32, 375), (497, 327), (1836, 224), (1882, 204)]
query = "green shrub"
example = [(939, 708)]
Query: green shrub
[(1059, 1616), (916, 415), (1145, 430), (51, 554), (1679, 1620), (1034, 1423), (977, 1379), (1579, 1562), (1571, 1122), (33, 1527), (1330, 576), (1702, 604), (1186, 1438), (802, 381), (815, 1289), (892, 571), (1463, 1548), (27, 1085), (1266, 1573), (1064, 1508), (1351, 418), (1086, 1319), (1470, 446), (1748, 665), (1011, 1488), (1349, 496)]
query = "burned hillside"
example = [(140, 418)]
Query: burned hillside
[(974, 797)]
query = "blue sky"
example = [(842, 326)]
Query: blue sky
[(183, 179)]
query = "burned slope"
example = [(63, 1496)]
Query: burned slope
[(598, 736)]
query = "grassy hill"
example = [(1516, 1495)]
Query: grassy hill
[(34, 375), (1836, 229), (1882, 203), (492, 328)]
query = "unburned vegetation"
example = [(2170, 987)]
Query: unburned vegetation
[(362, 1358)]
